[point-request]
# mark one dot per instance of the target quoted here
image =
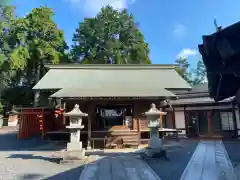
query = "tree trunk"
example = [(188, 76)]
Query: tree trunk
[(37, 92)]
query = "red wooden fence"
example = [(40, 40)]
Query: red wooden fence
[(38, 121)]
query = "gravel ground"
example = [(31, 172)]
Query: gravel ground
[(22, 160), (25, 160), (233, 148), (179, 157), (35, 169)]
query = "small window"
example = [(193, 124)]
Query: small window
[(227, 121)]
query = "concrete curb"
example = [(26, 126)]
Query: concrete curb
[(229, 162)]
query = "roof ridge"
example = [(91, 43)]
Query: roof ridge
[(111, 66)]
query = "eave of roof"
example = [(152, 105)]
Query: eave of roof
[(201, 100), (106, 92)]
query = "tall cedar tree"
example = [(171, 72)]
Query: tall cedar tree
[(182, 69), (112, 37), (200, 73)]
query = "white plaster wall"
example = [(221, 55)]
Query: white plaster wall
[(237, 119), (180, 121)]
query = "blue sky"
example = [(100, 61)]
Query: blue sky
[(171, 28)]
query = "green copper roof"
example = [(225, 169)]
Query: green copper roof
[(129, 78), (109, 92)]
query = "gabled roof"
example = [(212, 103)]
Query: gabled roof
[(124, 79)]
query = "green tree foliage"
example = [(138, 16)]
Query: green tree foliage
[(39, 41), (182, 69), (199, 73), (27, 44), (1, 108), (7, 44), (112, 37)]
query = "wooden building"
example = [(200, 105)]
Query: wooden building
[(115, 97), (198, 115), (220, 53)]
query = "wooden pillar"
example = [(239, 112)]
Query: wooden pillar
[(161, 119), (234, 120), (139, 131), (209, 117), (174, 119), (20, 124), (90, 111), (64, 118)]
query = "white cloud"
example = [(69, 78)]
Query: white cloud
[(187, 52), (92, 7), (179, 30)]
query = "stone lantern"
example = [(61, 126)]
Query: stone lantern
[(13, 117), (155, 143), (74, 147)]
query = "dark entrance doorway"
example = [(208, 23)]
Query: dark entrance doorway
[(113, 115), (192, 122)]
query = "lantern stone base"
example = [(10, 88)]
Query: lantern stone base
[(74, 146), (74, 151), (74, 155), (155, 148), (155, 153), (155, 143)]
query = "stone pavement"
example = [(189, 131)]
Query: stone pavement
[(209, 161), (123, 167)]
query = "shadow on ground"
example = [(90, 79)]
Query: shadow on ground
[(29, 157), (178, 160), (30, 177), (232, 148), (72, 174), (11, 143)]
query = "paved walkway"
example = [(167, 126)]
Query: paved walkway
[(124, 167), (209, 161)]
